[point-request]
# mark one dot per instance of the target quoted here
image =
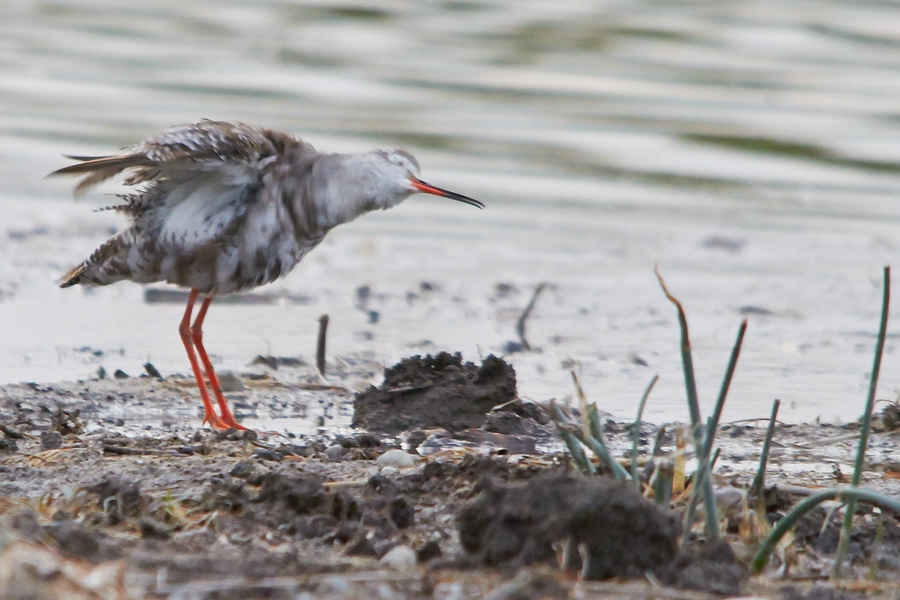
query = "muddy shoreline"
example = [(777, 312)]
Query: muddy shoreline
[(118, 475)]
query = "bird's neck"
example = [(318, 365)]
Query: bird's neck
[(343, 187)]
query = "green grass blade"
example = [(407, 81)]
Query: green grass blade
[(759, 482), (810, 502), (723, 391), (704, 483), (575, 450), (636, 435), (844, 540)]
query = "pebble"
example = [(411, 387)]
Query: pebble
[(729, 499), (264, 454), (400, 558), (152, 371), (51, 440), (397, 458), (242, 470), (334, 452), (428, 551), (388, 471), (230, 382)]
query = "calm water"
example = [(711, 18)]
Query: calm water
[(751, 149)]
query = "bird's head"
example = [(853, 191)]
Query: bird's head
[(398, 178)]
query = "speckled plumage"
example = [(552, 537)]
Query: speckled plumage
[(222, 207)]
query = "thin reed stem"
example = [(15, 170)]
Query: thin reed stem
[(810, 502), (712, 424), (703, 482), (636, 435), (759, 482), (844, 540)]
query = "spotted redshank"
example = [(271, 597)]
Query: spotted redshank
[(221, 208)]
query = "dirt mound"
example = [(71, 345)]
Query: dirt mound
[(709, 567), (435, 391), (618, 532), (814, 532)]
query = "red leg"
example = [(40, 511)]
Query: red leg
[(197, 335), (185, 331)]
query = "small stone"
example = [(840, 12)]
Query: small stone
[(229, 382), (730, 500), (415, 438), (334, 452), (263, 454), (402, 514), (120, 374), (152, 371), (397, 458), (51, 440), (400, 558), (428, 551), (151, 528), (388, 471), (242, 470), (361, 547)]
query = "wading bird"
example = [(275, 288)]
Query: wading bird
[(221, 208)]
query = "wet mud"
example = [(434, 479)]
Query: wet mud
[(435, 391), (613, 531), (161, 509)]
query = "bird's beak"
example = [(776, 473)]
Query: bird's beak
[(426, 188)]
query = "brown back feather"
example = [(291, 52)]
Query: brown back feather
[(99, 169)]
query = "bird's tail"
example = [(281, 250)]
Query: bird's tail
[(97, 169), (108, 264), (73, 277)]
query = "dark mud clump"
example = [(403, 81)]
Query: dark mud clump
[(708, 567), (435, 391), (119, 499), (601, 526), (814, 532), (301, 494)]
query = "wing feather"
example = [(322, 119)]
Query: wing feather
[(233, 149)]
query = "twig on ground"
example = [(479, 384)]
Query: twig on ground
[(320, 344), (520, 324)]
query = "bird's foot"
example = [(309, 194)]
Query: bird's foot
[(221, 424), (229, 423)]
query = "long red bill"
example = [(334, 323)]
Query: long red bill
[(426, 188)]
